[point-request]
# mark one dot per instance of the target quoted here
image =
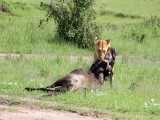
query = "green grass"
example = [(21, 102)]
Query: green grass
[(124, 21), (130, 7), (136, 38), (119, 20), (136, 86), (133, 27), (20, 33)]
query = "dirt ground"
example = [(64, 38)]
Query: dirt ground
[(24, 113)]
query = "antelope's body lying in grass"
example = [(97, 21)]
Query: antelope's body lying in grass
[(80, 79), (75, 80)]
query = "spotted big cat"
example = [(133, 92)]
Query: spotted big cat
[(103, 64)]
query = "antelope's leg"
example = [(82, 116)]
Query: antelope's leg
[(101, 77), (85, 92), (111, 78)]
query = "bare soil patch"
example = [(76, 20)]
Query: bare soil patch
[(25, 113)]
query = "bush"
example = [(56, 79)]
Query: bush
[(75, 21)]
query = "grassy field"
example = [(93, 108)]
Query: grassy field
[(132, 31), (133, 27), (136, 86), (20, 32)]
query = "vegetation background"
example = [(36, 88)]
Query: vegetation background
[(133, 27)]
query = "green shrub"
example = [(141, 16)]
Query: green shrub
[(75, 21)]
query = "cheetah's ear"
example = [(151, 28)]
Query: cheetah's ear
[(108, 42)]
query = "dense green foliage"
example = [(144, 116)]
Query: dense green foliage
[(74, 20)]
